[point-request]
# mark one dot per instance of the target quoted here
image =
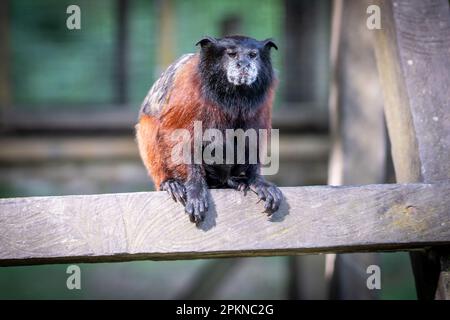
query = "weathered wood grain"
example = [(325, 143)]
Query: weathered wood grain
[(119, 227), (413, 56)]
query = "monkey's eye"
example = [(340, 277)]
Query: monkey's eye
[(232, 54), (252, 55)]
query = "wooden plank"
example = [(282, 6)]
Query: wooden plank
[(120, 227), (413, 58), (358, 132)]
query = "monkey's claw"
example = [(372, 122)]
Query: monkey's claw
[(270, 194), (175, 189)]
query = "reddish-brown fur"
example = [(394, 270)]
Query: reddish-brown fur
[(184, 106)]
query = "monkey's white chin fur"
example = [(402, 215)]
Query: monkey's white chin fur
[(241, 80), (244, 76)]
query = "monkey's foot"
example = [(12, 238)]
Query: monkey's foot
[(269, 193), (175, 188), (238, 183), (197, 202)]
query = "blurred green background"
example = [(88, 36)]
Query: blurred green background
[(70, 99)]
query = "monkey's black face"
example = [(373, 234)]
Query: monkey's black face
[(236, 69)]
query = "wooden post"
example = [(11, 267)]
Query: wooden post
[(358, 154), (412, 49), (305, 73)]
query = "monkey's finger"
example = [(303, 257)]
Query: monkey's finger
[(243, 187), (268, 204), (275, 205), (198, 213), (182, 189), (179, 198), (170, 192), (189, 209), (261, 194), (244, 190), (198, 218), (279, 193), (277, 197), (201, 206), (179, 194)]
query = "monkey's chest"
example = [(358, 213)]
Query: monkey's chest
[(228, 159), (229, 148)]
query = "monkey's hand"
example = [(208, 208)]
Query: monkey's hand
[(197, 200), (238, 183), (267, 192), (175, 188)]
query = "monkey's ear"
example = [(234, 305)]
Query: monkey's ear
[(269, 43), (205, 41)]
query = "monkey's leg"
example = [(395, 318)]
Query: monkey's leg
[(266, 191), (175, 188), (196, 193)]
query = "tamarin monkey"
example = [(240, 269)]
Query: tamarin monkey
[(229, 84)]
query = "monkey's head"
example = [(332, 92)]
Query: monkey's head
[(236, 67)]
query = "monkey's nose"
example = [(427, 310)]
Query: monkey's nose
[(242, 64)]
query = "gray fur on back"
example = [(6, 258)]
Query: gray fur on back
[(157, 96)]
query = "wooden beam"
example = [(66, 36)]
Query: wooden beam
[(358, 153), (18, 150), (413, 58), (289, 117), (120, 227), (412, 49)]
